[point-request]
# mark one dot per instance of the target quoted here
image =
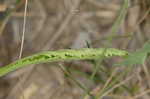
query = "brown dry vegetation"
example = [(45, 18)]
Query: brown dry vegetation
[(63, 24)]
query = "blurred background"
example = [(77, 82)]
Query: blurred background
[(65, 24)]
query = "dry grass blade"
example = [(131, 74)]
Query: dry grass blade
[(24, 28), (108, 81), (22, 39), (141, 94), (116, 86)]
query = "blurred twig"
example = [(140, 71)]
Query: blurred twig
[(122, 14), (62, 27), (116, 86), (9, 14), (3, 7)]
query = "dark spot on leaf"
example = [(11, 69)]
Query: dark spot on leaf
[(82, 55), (52, 56), (68, 55)]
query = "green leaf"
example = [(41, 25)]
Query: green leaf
[(146, 47), (134, 58), (137, 57)]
